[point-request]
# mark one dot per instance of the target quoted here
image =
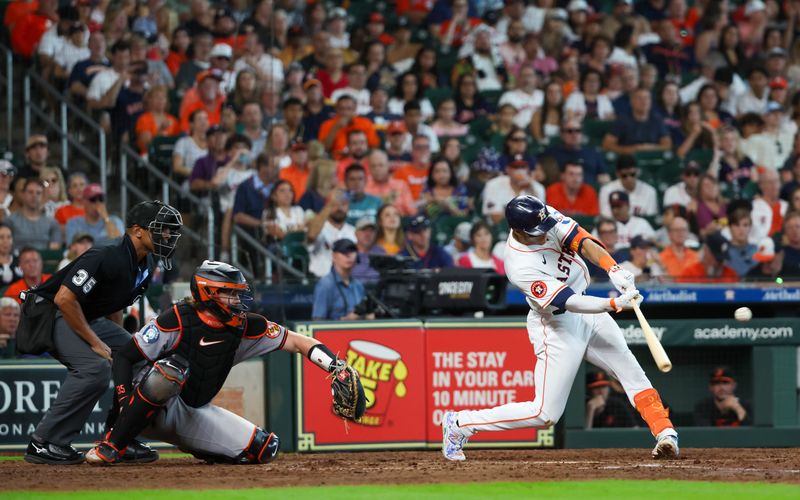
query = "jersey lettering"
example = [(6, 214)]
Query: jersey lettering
[(89, 285), (80, 277)]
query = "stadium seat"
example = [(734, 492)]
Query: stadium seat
[(294, 250), (160, 153), (443, 228), (50, 260), (595, 130), (438, 95), (500, 231), (492, 96), (703, 157)]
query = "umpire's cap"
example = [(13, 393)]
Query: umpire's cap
[(529, 214)]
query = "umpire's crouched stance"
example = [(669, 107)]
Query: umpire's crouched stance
[(66, 316)]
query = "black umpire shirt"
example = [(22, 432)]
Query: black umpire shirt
[(104, 279)]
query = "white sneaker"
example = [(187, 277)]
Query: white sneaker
[(666, 445), (453, 440)]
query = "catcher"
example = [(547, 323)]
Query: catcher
[(189, 351)]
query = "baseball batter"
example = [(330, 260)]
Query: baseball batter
[(544, 258), (188, 352)]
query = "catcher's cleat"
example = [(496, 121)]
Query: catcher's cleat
[(103, 454), (453, 440), (41, 452), (666, 445), (138, 453)]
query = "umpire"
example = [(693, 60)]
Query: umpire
[(76, 302)]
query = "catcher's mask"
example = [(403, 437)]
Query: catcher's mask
[(212, 278), (164, 224)]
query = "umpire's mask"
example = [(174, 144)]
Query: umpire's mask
[(164, 223)]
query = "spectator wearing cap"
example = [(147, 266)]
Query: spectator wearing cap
[(361, 204), (479, 255), (768, 208), (390, 190), (772, 146), (713, 265), (526, 97), (604, 407), (191, 147), (102, 93), (628, 225), (334, 131), (755, 99), (105, 228), (206, 166), (642, 196), (485, 168), (644, 263), (376, 28), (337, 294), (356, 88), (298, 172), (31, 265), (337, 27), (789, 256), (572, 149), (413, 117), (76, 184), (220, 59), (267, 67), (366, 238), (206, 96), (424, 253), (224, 30), (571, 196), (723, 408), (683, 192), (775, 65), (156, 121), (316, 111), (460, 242), (80, 243), (641, 130), (356, 152), (415, 173), (202, 43), (84, 71), (518, 180), (395, 146), (779, 90), (379, 110), (36, 156), (7, 174), (327, 227), (30, 226)]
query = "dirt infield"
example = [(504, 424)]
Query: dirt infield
[(770, 465)]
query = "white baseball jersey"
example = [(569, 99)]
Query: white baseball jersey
[(549, 273)]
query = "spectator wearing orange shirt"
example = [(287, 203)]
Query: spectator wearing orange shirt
[(76, 183), (391, 191), (207, 97), (297, 173), (570, 195), (357, 151), (712, 268), (28, 30), (415, 174), (155, 121), (677, 258), (334, 131), (30, 262)]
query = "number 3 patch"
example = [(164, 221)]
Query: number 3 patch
[(80, 277), (538, 289)]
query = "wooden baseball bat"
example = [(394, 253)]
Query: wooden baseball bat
[(656, 349)]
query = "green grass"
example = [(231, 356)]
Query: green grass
[(617, 489)]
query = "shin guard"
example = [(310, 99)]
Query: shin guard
[(649, 405)]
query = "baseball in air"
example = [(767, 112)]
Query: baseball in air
[(743, 314)]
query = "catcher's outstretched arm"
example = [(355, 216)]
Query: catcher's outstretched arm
[(317, 352)]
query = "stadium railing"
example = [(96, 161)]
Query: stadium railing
[(268, 257)]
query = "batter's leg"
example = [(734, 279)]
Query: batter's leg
[(559, 344)]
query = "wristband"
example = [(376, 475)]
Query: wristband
[(606, 262), (320, 355), (613, 304)]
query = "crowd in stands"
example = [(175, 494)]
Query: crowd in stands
[(667, 127)]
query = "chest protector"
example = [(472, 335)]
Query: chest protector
[(210, 352)]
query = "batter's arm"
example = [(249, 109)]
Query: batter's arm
[(622, 279), (586, 304)]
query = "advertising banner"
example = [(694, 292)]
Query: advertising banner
[(27, 389), (688, 294), (390, 357), (710, 332), (475, 365)]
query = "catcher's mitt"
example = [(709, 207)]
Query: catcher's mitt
[(348, 394)]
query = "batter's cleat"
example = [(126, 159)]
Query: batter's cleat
[(666, 446), (138, 453), (41, 452), (453, 440), (103, 454)]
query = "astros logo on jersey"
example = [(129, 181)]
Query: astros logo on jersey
[(538, 289)]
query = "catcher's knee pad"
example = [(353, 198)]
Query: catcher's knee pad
[(164, 380), (263, 447)]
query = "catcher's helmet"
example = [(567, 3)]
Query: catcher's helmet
[(164, 223), (529, 214), (209, 279)]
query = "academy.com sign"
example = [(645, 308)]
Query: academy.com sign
[(752, 334), (634, 336)]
